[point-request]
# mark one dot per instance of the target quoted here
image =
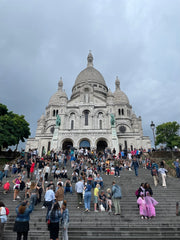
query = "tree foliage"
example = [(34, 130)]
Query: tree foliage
[(167, 133), (13, 128)]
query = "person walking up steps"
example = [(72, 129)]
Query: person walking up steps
[(79, 186), (135, 164), (163, 173)]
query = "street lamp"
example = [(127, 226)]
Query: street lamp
[(152, 125)]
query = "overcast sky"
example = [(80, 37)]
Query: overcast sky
[(136, 40)]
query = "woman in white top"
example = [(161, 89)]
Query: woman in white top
[(163, 173)]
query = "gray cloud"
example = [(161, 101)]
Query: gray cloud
[(137, 40)]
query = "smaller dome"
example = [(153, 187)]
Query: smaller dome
[(121, 97), (54, 100)]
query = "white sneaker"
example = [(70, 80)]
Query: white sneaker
[(43, 207), (118, 176), (18, 197)]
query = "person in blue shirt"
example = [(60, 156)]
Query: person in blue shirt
[(21, 225), (176, 165), (49, 199)]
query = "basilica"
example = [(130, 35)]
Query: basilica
[(85, 120)]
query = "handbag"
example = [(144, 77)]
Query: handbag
[(102, 208), (48, 224)]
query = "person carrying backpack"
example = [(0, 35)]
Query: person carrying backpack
[(116, 196)]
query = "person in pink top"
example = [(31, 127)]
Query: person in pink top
[(142, 206), (150, 205)]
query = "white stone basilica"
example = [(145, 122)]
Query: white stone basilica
[(86, 117)]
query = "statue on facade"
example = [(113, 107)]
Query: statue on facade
[(112, 120), (58, 120)]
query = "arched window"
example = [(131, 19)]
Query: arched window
[(72, 124), (86, 115), (86, 95), (119, 111), (54, 112), (122, 111), (49, 146), (100, 124), (125, 145)]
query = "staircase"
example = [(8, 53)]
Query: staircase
[(102, 225)]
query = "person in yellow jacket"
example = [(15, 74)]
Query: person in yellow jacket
[(96, 194)]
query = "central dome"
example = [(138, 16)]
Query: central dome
[(90, 74)]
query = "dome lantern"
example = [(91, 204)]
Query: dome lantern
[(90, 59), (60, 84), (117, 83)]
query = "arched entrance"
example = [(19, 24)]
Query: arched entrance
[(67, 144), (101, 145), (84, 144)]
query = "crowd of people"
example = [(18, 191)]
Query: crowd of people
[(47, 176)]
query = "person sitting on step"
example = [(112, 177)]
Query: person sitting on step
[(68, 186), (98, 180)]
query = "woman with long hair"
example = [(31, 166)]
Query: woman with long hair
[(40, 189), (87, 196), (54, 218), (65, 220), (21, 225), (17, 182)]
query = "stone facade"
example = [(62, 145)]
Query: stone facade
[(86, 117)]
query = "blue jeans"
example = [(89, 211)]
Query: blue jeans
[(177, 172), (49, 206), (136, 171), (87, 200), (33, 199), (6, 173), (117, 171), (67, 189)]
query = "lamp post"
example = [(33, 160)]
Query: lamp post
[(152, 125)]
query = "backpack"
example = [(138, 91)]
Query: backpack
[(117, 192), (7, 211), (22, 185), (137, 192)]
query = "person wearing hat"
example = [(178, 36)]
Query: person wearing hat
[(21, 225)]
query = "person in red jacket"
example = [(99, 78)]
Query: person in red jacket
[(6, 187)]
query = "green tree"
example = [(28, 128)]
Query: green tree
[(13, 128), (167, 133)]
